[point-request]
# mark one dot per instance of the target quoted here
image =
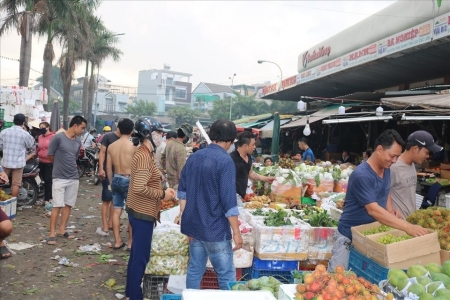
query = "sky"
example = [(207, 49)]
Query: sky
[(212, 40)]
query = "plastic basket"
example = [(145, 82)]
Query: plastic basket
[(233, 283), (170, 297), (155, 286), (366, 268), (274, 265), (210, 281), (282, 276)]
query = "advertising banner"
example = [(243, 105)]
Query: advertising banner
[(269, 89), (306, 76), (329, 68), (409, 38), (360, 56), (288, 82), (441, 26)]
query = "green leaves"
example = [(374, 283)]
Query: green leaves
[(141, 108), (183, 114)]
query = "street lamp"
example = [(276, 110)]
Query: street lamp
[(231, 98), (281, 72), (96, 92)]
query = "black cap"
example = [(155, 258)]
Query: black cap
[(19, 119), (171, 134), (422, 138)]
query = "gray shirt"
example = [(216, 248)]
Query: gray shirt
[(403, 187), (65, 152)]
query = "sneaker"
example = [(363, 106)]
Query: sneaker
[(101, 232)]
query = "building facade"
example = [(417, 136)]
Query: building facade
[(164, 87)]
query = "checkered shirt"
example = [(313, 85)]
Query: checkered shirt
[(14, 142)]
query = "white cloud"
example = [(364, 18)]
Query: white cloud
[(209, 39)]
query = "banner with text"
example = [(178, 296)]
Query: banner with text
[(441, 26)]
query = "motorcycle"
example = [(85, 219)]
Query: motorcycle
[(29, 190), (88, 163)]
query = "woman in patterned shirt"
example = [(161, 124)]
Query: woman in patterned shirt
[(145, 193)]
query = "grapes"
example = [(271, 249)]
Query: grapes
[(382, 228), (390, 239)]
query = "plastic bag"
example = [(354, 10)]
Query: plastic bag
[(168, 240), (167, 265)]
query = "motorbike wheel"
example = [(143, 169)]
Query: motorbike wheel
[(30, 185), (96, 178), (81, 170)]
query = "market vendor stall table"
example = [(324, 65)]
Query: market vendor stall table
[(445, 187)]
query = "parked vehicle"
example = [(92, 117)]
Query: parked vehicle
[(29, 191)]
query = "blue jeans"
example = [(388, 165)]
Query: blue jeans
[(221, 256), (119, 187), (139, 256)]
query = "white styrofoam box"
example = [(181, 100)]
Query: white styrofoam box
[(419, 200), (447, 201), (335, 213), (226, 295), (169, 215), (13, 210), (6, 207), (287, 292)]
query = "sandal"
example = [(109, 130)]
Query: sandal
[(66, 235), (120, 247), (51, 240), (4, 252)]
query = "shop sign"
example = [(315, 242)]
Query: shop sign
[(288, 82), (309, 57), (306, 76), (269, 89), (360, 56), (329, 68), (409, 38), (441, 26)]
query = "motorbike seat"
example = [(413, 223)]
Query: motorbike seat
[(28, 168)]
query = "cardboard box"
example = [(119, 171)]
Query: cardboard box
[(358, 239), (419, 250), (430, 164), (445, 167), (445, 255), (445, 174)]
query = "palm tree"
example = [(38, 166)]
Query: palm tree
[(24, 21), (54, 11), (103, 49), (75, 40)]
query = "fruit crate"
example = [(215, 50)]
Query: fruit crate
[(366, 268), (170, 297), (210, 281), (274, 265), (155, 286), (282, 276)]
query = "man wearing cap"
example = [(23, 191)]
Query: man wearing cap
[(15, 142), (403, 173), (174, 157)]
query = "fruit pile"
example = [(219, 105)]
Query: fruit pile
[(339, 285), (436, 218), (390, 239), (4, 196), (166, 204), (382, 228), (430, 281), (286, 163)]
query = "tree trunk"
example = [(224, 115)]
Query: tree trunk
[(91, 95), (84, 101), (25, 49), (49, 55)]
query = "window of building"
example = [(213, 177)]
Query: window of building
[(169, 80), (180, 93)]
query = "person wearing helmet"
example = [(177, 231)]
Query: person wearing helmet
[(106, 129), (174, 156), (143, 204)]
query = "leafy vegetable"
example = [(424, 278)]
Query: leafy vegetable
[(276, 219)]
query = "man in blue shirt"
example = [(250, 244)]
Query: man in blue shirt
[(308, 155), (207, 193), (368, 199)]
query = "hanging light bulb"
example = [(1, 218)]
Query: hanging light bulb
[(307, 130), (341, 109), (301, 106), (379, 111), (287, 133)]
